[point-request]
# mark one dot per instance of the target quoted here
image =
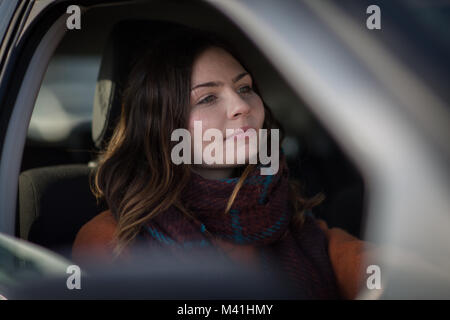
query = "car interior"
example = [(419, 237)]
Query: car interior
[(79, 104)]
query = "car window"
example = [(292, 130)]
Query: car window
[(60, 128), (65, 99), (59, 132)]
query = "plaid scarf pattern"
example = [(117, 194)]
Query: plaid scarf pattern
[(261, 216)]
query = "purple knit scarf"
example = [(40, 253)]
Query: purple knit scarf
[(261, 216)]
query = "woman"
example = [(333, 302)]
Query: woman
[(255, 219)]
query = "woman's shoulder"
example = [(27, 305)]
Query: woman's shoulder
[(96, 236)]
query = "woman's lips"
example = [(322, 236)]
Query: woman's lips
[(239, 132)]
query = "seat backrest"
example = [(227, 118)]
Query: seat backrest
[(54, 202)]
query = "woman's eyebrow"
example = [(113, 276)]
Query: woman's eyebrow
[(219, 83), (240, 76)]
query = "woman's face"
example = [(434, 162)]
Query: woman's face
[(222, 98)]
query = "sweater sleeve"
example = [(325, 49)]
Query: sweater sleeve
[(349, 257), (95, 239)]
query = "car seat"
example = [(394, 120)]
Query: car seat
[(55, 201)]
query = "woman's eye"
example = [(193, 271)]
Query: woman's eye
[(207, 100), (245, 89)]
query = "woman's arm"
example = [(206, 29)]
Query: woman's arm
[(95, 239), (350, 258)]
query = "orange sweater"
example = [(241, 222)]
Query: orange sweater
[(348, 255)]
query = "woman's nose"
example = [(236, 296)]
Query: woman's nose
[(237, 107)]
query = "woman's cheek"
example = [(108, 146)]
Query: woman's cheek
[(194, 116), (260, 112), (201, 116)]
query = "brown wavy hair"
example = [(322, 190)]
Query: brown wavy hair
[(135, 175)]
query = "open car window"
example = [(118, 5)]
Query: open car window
[(366, 118)]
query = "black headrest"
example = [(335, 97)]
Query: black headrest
[(127, 41)]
